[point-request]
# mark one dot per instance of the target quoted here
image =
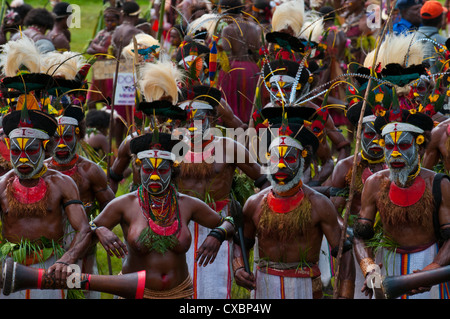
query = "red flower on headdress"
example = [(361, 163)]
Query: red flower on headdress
[(284, 130), (317, 127)]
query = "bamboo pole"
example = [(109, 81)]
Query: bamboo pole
[(161, 20), (357, 145)]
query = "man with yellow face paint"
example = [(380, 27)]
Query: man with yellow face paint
[(406, 197), (280, 76), (207, 173), (286, 223), (37, 202)]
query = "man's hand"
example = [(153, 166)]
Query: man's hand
[(112, 244), (244, 279)]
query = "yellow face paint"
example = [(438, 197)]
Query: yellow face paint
[(282, 150), (22, 141), (60, 130)]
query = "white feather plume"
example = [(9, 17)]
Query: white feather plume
[(401, 49), (22, 52), (207, 22), (289, 14), (62, 64), (160, 79), (312, 27)]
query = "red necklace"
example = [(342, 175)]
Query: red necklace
[(407, 196), (29, 195), (283, 205), (162, 212)]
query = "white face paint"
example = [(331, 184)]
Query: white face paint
[(27, 156), (402, 155), (156, 175), (369, 142)]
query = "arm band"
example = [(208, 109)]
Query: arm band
[(363, 230), (347, 247), (218, 234), (73, 201), (115, 177)]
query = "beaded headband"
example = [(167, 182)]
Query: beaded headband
[(29, 133), (400, 127), (156, 154)]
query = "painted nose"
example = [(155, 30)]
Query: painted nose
[(154, 177), (396, 154), (281, 165), (23, 160)]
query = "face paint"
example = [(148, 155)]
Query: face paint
[(281, 87), (402, 155), (155, 175), (198, 122), (65, 144), (369, 141), (27, 156), (285, 167)]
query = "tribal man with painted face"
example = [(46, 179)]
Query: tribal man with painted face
[(207, 173), (90, 179), (418, 230), (289, 220), (37, 203), (369, 160), (280, 77)]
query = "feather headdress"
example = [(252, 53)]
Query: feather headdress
[(312, 28), (205, 26), (19, 54), (62, 65), (144, 42), (160, 79), (400, 49), (289, 14)]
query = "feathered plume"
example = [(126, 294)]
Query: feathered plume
[(160, 79), (289, 14), (19, 54), (206, 22), (312, 28), (401, 49), (144, 42), (62, 65)]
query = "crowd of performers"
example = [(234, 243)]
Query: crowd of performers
[(344, 183)]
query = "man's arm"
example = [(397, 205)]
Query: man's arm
[(432, 153), (74, 210)]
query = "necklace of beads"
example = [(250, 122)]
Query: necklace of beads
[(160, 211)]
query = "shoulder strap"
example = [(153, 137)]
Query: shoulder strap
[(437, 195)]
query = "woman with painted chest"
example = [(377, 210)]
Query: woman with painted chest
[(155, 219)]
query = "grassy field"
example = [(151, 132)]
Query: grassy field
[(89, 13)]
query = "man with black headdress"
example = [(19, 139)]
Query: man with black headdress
[(287, 222), (413, 207), (91, 180), (207, 172), (38, 203)]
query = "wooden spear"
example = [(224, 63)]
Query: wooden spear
[(357, 145), (161, 21), (111, 124)]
